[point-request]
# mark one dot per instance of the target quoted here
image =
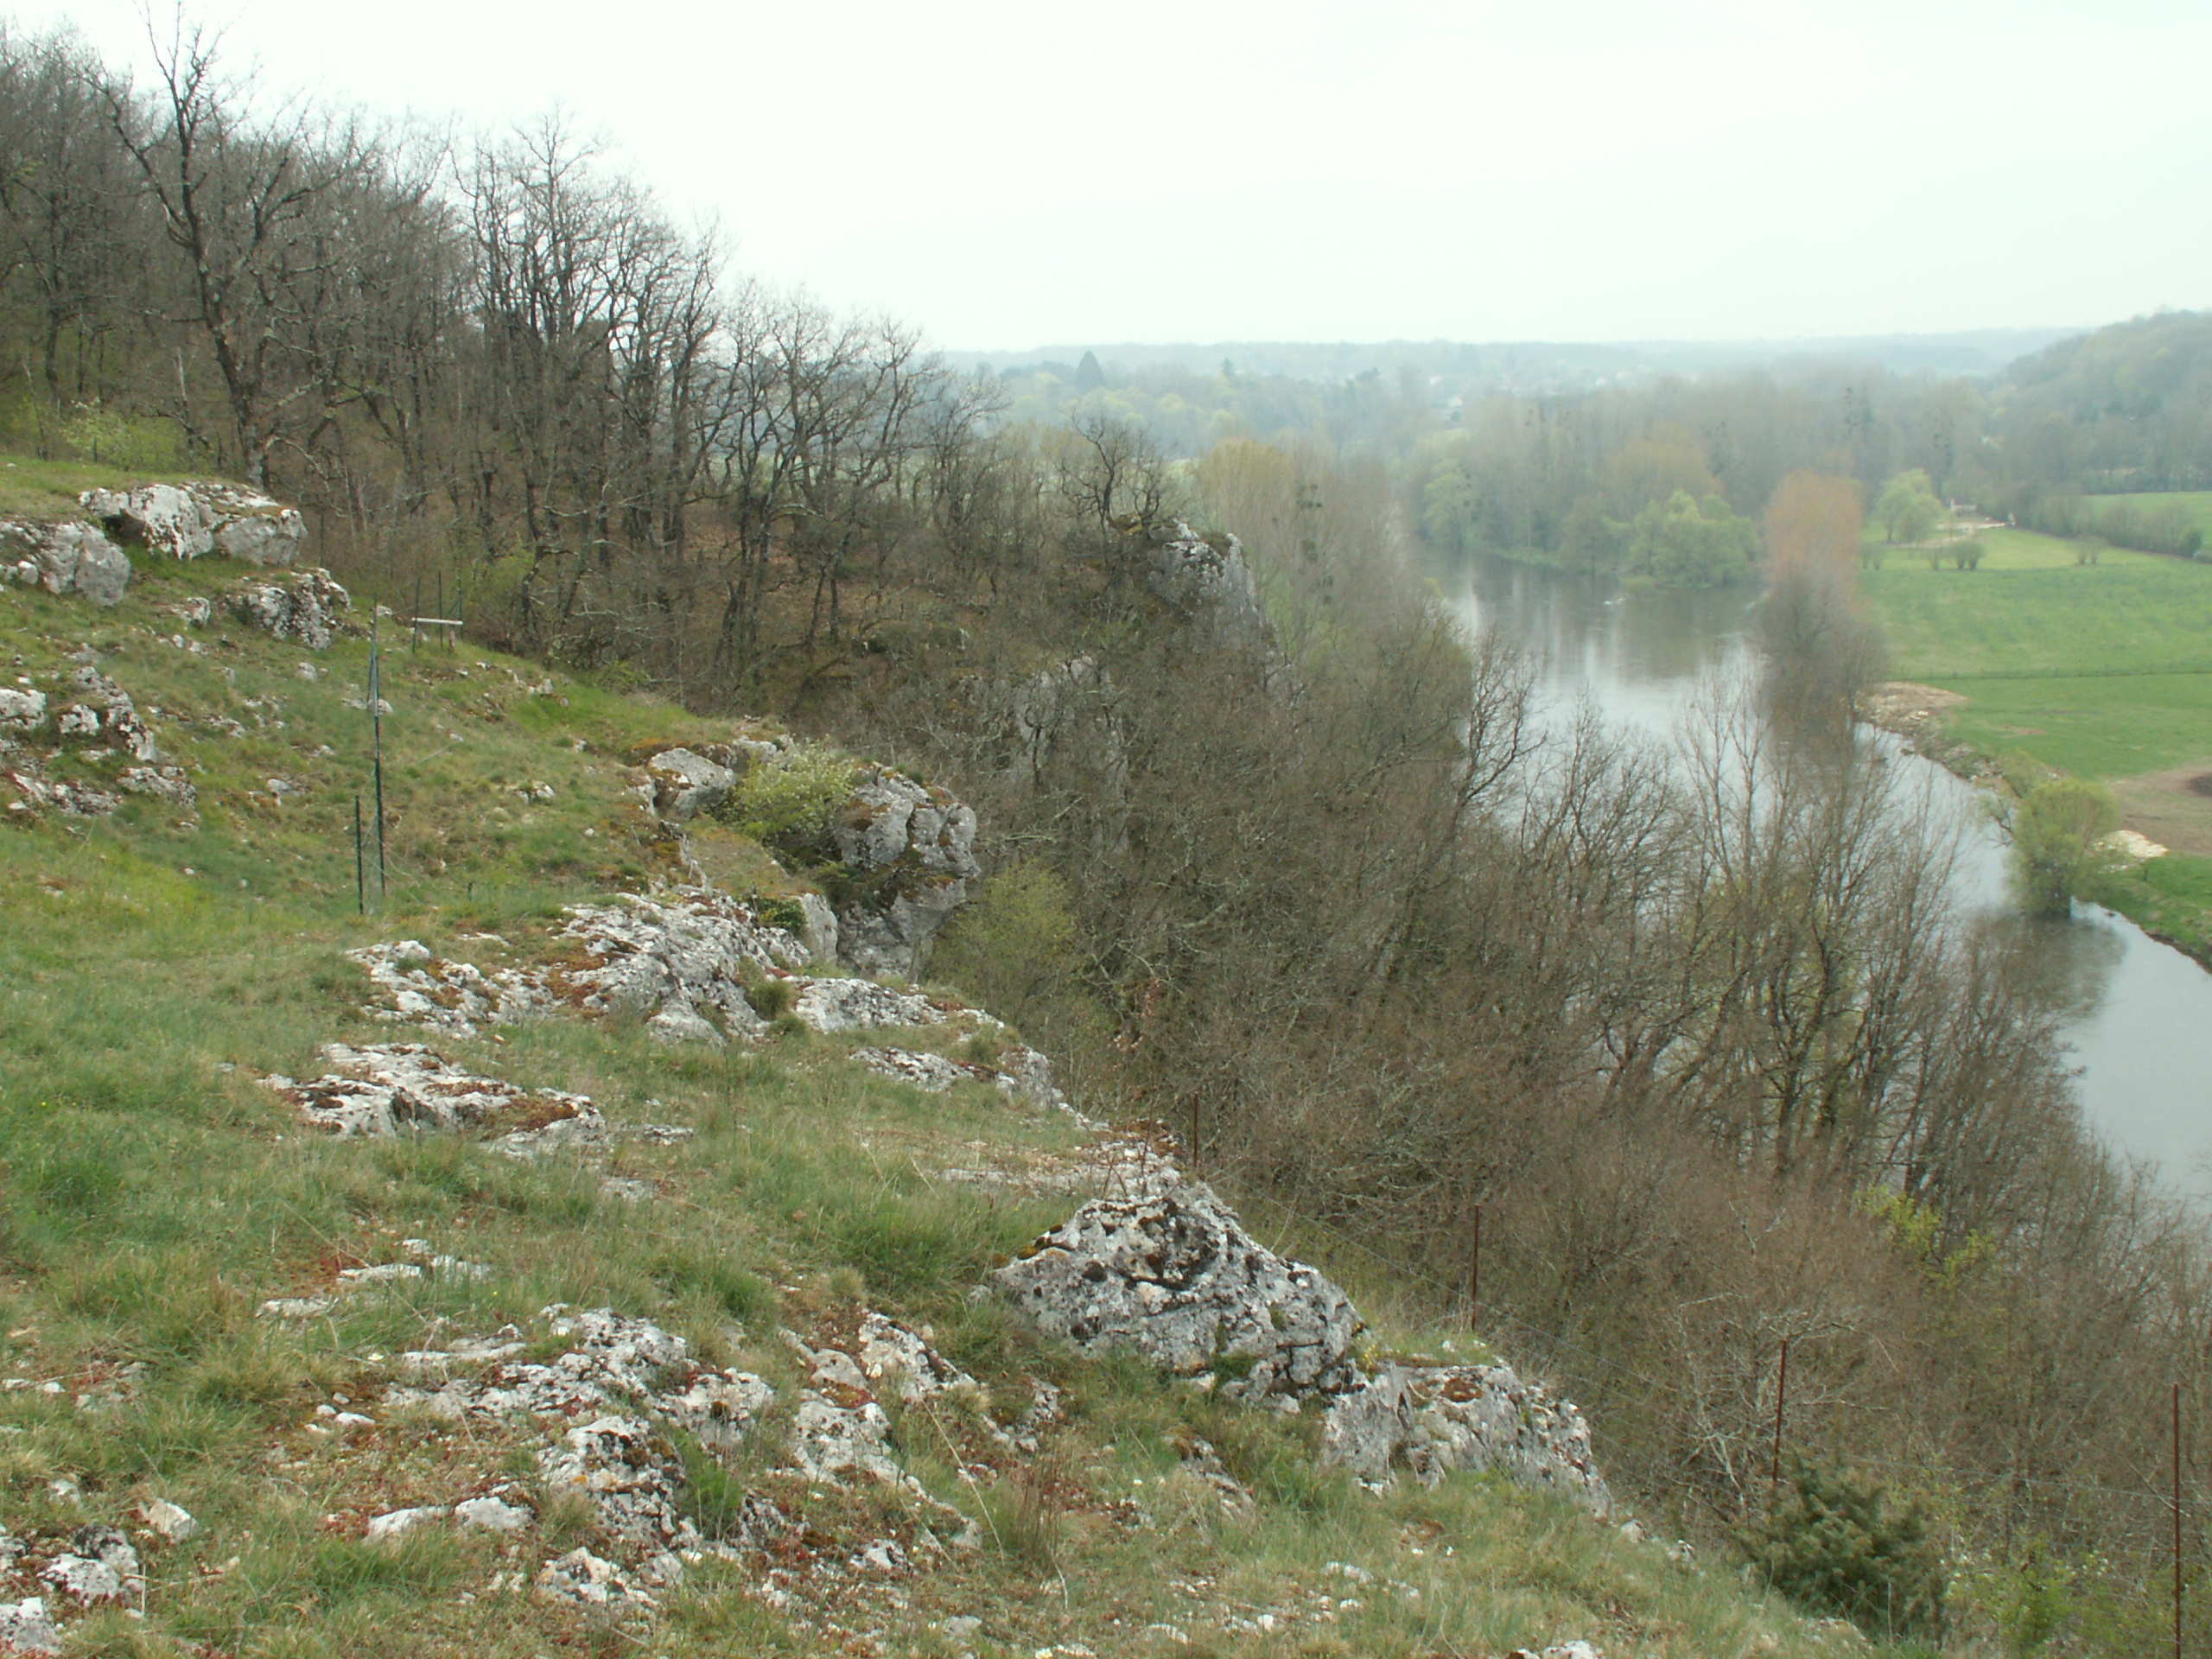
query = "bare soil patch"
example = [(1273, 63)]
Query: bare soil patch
[(2173, 806)]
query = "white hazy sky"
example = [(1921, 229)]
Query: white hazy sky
[(1008, 175)]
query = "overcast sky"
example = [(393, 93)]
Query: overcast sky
[(1008, 172)]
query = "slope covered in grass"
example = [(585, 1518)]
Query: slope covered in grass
[(157, 964)]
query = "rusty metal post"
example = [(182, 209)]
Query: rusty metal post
[(1194, 1132), (2176, 1520), (1475, 1270), (1781, 1394)]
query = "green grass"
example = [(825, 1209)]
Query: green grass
[(2136, 614), (48, 489), (2169, 897), (2092, 725), (152, 1193)]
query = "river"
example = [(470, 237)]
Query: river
[(2139, 1014)]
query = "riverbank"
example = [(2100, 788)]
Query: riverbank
[(2168, 896)]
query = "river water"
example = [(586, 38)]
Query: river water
[(2139, 1014)]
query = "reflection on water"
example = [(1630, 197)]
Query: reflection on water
[(2138, 1014)]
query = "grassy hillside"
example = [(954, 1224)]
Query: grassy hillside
[(155, 964)]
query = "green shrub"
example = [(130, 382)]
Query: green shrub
[(787, 802), (2058, 842), (1836, 1544)]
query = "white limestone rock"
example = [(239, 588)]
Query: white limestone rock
[(834, 1005), (169, 1521), (454, 999), (819, 933), (306, 610), (64, 558), (193, 520), (384, 1089), (397, 1524), (21, 711), (1207, 580), (932, 1073), (491, 1514), (26, 1628), (633, 1479), (695, 948), (1435, 1420), (1175, 1275), (585, 1579)]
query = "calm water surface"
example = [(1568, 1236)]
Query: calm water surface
[(2140, 1014)]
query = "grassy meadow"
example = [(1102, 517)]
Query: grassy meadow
[(2099, 670), (153, 964)]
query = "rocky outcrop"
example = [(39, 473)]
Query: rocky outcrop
[(1172, 1274), (190, 521), (454, 999), (1439, 1420), (385, 1089), (912, 849), (1208, 579), (305, 609), (65, 559), (1175, 1276), (676, 956)]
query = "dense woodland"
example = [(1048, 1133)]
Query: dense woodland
[(1701, 1031)]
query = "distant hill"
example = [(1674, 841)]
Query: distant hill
[(2128, 407)]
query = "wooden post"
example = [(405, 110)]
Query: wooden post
[(1781, 1394), (1475, 1270), (376, 728)]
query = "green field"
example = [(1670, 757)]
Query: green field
[(2032, 609), (2101, 670)]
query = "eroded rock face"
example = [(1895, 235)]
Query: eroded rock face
[(21, 711), (306, 609), (1209, 581), (65, 559), (1175, 1275), (193, 520), (918, 844)]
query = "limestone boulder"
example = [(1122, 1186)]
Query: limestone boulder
[(686, 784), (190, 521), (1175, 1276), (306, 609), (913, 849), (64, 558), (1440, 1420), (21, 711)]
